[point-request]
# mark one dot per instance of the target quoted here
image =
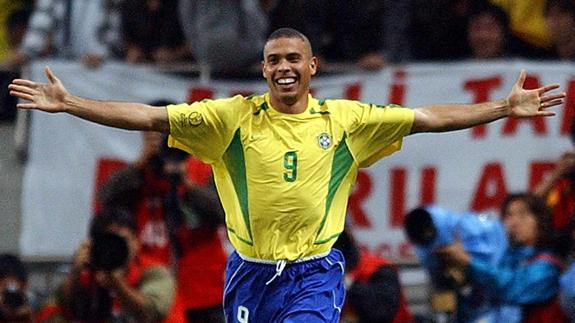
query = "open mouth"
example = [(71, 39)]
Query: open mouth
[(286, 81)]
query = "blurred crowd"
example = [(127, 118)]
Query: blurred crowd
[(227, 35)]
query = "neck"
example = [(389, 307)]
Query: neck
[(296, 107)]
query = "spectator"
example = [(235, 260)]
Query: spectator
[(374, 292), (10, 12), (524, 285), (108, 282), (85, 30), (435, 31), (558, 189), (202, 262), (487, 32), (430, 228), (225, 35), (568, 278), (178, 216), (527, 24), (560, 22), (348, 32), (14, 301), (17, 25), (152, 32), (141, 189), (14, 20)]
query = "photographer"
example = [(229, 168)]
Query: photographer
[(524, 283), (558, 189), (108, 282), (430, 228), (14, 305), (178, 214)]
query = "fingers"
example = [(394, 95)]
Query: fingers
[(23, 83), (21, 89), (552, 97), (521, 79), (21, 95), (545, 114), (548, 104), (51, 76), (548, 88), (26, 105)]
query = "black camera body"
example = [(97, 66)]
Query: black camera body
[(109, 251), (13, 298)]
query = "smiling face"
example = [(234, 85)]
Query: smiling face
[(288, 66)]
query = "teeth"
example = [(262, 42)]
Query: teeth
[(286, 80)]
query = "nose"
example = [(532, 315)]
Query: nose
[(284, 66)]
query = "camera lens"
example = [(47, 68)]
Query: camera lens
[(109, 251), (13, 297)]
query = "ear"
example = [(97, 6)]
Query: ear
[(313, 65), (263, 69)]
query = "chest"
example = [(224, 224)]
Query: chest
[(284, 142)]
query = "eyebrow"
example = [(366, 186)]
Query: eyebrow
[(291, 54)]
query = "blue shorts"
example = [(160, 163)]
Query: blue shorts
[(303, 291)]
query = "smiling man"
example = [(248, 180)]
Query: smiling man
[(284, 164)]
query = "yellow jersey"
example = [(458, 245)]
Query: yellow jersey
[(284, 179)]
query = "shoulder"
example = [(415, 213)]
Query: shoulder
[(234, 101), (231, 106)]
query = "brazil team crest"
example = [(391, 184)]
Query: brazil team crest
[(324, 140)]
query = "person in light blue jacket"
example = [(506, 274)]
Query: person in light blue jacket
[(524, 284), (567, 280), (482, 235), (568, 292)]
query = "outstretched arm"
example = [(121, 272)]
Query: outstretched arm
[(53, 97), (519, 103)]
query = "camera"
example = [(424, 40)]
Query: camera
[(164, 163), (109, 251), (12, 298)]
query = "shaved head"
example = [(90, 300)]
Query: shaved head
[(293, 34)]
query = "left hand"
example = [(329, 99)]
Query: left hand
[(532, 103)]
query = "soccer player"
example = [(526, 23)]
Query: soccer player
[(284, 164)]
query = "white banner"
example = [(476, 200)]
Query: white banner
[(463, 170)]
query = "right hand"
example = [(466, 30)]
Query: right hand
[(46, 97)]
